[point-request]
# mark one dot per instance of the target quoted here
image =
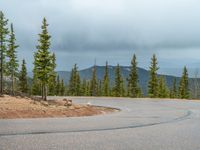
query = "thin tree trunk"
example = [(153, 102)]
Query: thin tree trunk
[(45, 92)]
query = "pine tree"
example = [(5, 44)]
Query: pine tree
[(123, 91), (58, 85), (162, 88), (66, 89), (173, 91), (184, 85), (36, 88), (78, 84), (93, 83), (3, 34), (12, 63), (119, 85), (153, 81), (62, 88), (43, 63), (23, 83), (99, 88), (52, 79), (133, 81), (74, 82), (83, 88), (87, 92), (106, 82)]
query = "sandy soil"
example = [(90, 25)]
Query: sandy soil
[(17, 107)]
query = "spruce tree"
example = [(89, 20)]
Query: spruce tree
[(58, 87), (74, 82), (62, 88), (43, 63), (123, 91), (173, 91), (106, 82), (99, 88), (93, 83), (133, 81), (23, 82), (184, 85), (87, 92), (119, 84), (83, 87), (153, 80), (36, 88), (12, 62), (52, 79), (162, 88), (3, 38), (66, 89), (78, 84)]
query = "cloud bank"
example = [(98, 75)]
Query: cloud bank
[(83, 30)]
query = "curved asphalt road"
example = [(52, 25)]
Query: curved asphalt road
[(142, 124)]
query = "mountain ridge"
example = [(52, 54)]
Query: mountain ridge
[(125, 70)]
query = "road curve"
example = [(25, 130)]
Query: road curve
[(140, 125)]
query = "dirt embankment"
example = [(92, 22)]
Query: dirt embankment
[(17, 107)]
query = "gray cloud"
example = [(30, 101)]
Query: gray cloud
[(107, 25)]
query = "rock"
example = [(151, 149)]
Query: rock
[(67, 102), (77, 106), (45, 104)]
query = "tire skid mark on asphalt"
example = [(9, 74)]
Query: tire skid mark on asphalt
[(181, 118)]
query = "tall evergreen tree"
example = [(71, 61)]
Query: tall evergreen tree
[(87, 92), (23, 83), (62, 88), (12, 63), (173, 91), (133, 81), (74, 82), (3, 38), (58, 87), (83, 87), (153, 80), (106, 82), (162, 88), (52, 79), (184, 85), (36, 88), (99, 89), (93, 83), (66, 89), (119, 84), (78, 85), (43, 64)]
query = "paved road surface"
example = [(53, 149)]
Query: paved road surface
[(140, 125)]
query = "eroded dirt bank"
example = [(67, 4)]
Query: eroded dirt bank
[(17, 107)]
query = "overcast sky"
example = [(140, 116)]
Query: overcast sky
[(112, 30)]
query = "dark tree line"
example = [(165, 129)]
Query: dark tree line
[(157, 87)]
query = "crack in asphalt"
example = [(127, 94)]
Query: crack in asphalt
[(186, 116)]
